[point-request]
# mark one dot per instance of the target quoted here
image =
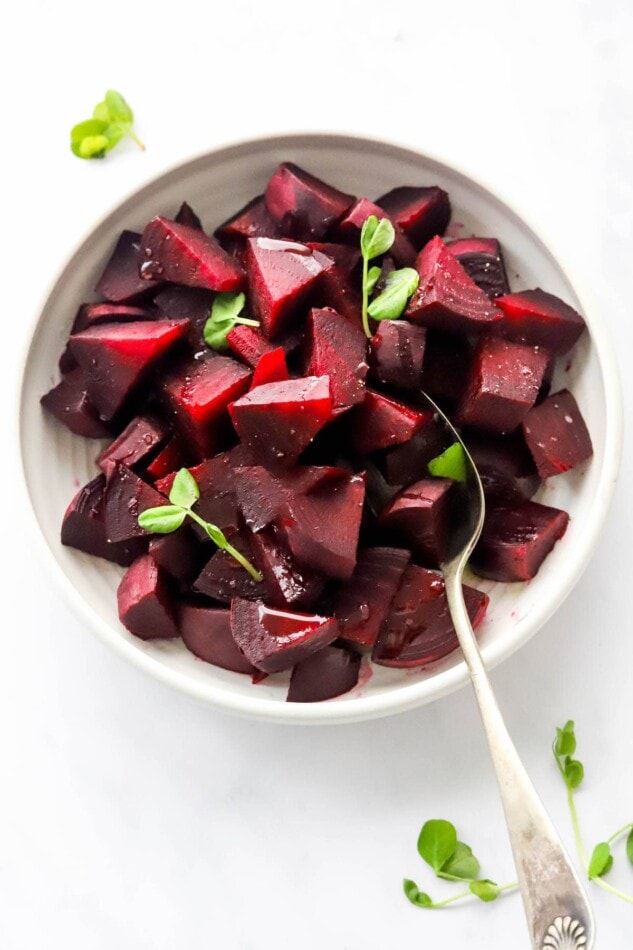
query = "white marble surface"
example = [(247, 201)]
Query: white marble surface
[(131, 816)]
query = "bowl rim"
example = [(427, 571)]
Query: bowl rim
[(410, 695)]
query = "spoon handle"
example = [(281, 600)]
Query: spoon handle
[(558, 913)]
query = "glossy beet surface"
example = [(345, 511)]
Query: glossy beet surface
[(396, 354), (516, 540), (206, 631), (420, 515), (185, 255), (274, 640), (556, 435), (143, 437), (303, 206), (381, 422), (326, 674), (69, 403), (540, 319), (145, 601), (364, 600), (126, 496), (482, 260), (420, 212), (337, 348), (121, 281), (402, 250), (84, 527)]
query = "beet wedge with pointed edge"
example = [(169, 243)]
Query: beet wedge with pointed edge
[(277, 421), (118, 357), (556, 435), (363, 602), (337, 348), (506, 468), (143, 437), (422, 515), (186, 215), (126, 496), (331, 672), (287, 586), (348, 231), (252, 221), (405, 463), (540, 319), (482, 260), (419, 629), (420, 212), (262, 495), (271, 368), (380, 422), (248, 344), (304, 206), (184, 255), (170, 458), (396, 354), (145, 601), (223, 577), (340, 286), (68, 401), (206, 632), (516, 540), (84, 528), (274, 640), (121, 281), (180, 554), (446, 296)]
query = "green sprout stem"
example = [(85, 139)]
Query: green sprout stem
[(246, 322), (136, 139), (619, 832), (228, 547), (464, 894), (365, 314)]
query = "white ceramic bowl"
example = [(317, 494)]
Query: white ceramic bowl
[(216, 184)]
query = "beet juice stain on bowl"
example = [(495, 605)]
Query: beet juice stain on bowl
[(305, 438)]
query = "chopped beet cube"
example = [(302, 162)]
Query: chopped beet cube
[(481, 259), (179, 553), (419, 629), (406, 463), (190, 303), (286, 584), (345, 257), (183, 255), (206, 631), (121, 281), (447, 360), (69, 403), (504, 381), (275, 640), (83, 527), (252, 221), (338, 349), (364, 601), (223, 577), (170, 458), (348, 230), (261, 496), (326, 674), (515, 541), (304, 206), (198, 392), (422, 514), (126, 497), (248, 343), (281, 275), (505, 466), (277, 421), (420, 212), (381, 422), (557, 435), (144, 600), (540, 319), (91, 314), (142, 437), (396, 354), (446, 296), (186, 215), (271, 368), (116, 357), (341, 292), (67, 362)]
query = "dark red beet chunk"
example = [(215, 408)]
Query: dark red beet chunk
[(91, 314), (279, 420), (326, 674), (281, 275), (261, 496), (349, 230), (381, 422), (121, 281), (142, 437), (338, 349), (248, 343), (190, 303), (420, 212), (446, 296), (396, 354), (184, 255), (515, 541), (447, 360), (169, 459), (419, 629), (481, 259), (126, 497), (69, 403), (116, 357), (180, 554), (274, 640), (144, 600), (421, 514), (540, 319), (504, 382), (186, 215), (224, 578), (206, 631), (505, 466), (556, 435), (304, 206), (271, 368), (408, 462), (364, 601), (345, 257), (83, 527), (253, 220), (286, 585)]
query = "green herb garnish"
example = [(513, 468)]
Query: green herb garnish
[(376, 237), (111, 121), (450, 464), (225, 314), (391, 303), (167, 518)]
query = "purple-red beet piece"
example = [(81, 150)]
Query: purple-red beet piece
[(206, 631), (503, 384), (142, 437), (271, 368), (69, 403), (556, 434), (253, 220), (326, 674), (277, 421), (169, 459), (337, 348), (422, 515), (420, 212), (505, 466), (184, 255), (304, 206), (447, 360), (91, 314), (446, 296), (116, 357), (540, 319), (364, 600), (120, 281), (380, 422), (275, 640), (286, 584), (186, 215), (345, 257), (179, 553), (83, 527), (396, 354), (419, 629), (145, 601), (348, 231), (262, 495), (248, 343), (516, 540), (481, 259), (126, 497), (224, 578), (408, 462)]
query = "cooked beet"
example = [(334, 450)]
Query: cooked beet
[(419, 629), (338, 349), (422, 516), (206, 631), (69, 403), (304, 206), (83, 527), (262, 495), (408, 462), (447, 360), (446, 296), (142, 437), (420, 212), (170, 458), (186, 215), (117, 357), (286, 584), (190, 303), (364, 600), (91, 314), (540, 319), (381, 422), (326, 674), (556, 434), (505, 466), (341, 292), (184, 255), (223, 577), (345, 257), (279, 420), (275, 640), (145, 601), (253, 220), (126, 497), (180, 554), (503, 384), (396, 354), (121, 281), (482, 260), (248, 343), (516, 540), (348, 230), (271, 368)]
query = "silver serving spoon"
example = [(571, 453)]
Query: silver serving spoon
[(558, 913)]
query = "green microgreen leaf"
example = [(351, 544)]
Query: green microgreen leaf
[(118, 108), (437, 842), (376, 236), (373, 276), (417, 897), (111, 121), (217, 535), (574, 772), (162, 520), (565, 742), (601, 861), (184, 491), (485, 890), (462, 864), (450, 464), (87, 139), (391, 303), (629, 846), (225, 314)]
